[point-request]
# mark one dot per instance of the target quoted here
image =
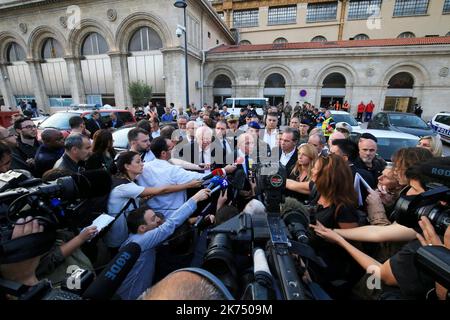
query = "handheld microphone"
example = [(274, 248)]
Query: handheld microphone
[(214, 182), (216, 172), (223, 185), (107, 283)]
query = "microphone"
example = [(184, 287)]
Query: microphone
[(223, 185), (261, 268), (107, 283), (216, 172), (214, 182), (296, 220)]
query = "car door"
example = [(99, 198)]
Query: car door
[(375, 122)]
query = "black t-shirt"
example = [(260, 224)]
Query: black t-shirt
[(413, 283)]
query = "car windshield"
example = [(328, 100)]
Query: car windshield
[(345, 118), (388, 146), (407, 121), (58, 120), (120, 138)]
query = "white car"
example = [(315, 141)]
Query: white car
[(389, 141), (342, 116), (441, 125)]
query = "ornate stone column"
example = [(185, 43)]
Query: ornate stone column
[(37, 81), (75, 79), (5, 87), (119, 66)]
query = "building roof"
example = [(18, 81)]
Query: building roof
[(333, 44)]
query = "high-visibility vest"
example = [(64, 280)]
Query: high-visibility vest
[(325, 127)]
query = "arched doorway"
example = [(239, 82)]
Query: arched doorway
[(333, 89), (275, 89), (146, 64), (399, 95), (221, 88)]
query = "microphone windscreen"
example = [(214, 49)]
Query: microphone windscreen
[(107, 283), (260, 262), (93, 183)]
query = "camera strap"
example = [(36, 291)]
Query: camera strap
[(26, 247), (307, 252)]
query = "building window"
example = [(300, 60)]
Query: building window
[(321, 11), (280, 40), (209, 35), (60, 101), (221, 15), (145, 39), (245, 18), (448, 34), (410, 7), (446, 6), (363, 9), (15, 53), (245, 42), (406, 35), (319, 39), (51, 49), (94, 44), (282, 15), (361, 36)]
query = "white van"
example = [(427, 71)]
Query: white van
[(441, 125), (234, 105)]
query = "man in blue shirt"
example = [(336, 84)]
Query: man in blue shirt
[(148, 230), (167, 116)]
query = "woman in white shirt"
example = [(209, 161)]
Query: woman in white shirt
[(126, 195)]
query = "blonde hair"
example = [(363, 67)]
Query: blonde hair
[(309, 151), (436, 145)]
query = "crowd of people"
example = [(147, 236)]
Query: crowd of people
[(158, 196)]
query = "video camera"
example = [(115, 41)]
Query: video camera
[(235, 246)]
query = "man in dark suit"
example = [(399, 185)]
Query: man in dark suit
[(95, 123), (222, 150), (288, 148), (233, 133), (263, 151), (115, 121)]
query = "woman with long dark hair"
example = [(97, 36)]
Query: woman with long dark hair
[(126, 194), (103, 152)]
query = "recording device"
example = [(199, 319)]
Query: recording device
[(409, 209), (56, 204), (435, 260), (232, 243), (215, 173)]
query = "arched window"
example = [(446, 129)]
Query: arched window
[(448, 34), (319, 39), (334, 80), (401, 80), (406, 35), (244, 42), (94, 44), (280, 40), (145, 39), (222, 81), (361, 36), (15, 53), (275, 80), (51, 49)]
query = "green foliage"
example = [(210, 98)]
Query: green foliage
[(140, 93)]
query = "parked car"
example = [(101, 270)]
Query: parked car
[(402, 122), (342, 116), (388, 142), (234, 105), (441, 125), (60, 120)]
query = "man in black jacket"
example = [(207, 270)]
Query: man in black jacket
[(95, 123), (368, 158), (115, 121), (77, 151), (27, 144), (49, 152), (288, 148)]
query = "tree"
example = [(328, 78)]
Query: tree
[(140, 93)]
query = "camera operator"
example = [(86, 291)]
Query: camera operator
[(23, 272), (399, 271), (148, 230)]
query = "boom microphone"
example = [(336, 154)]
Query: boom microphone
[(216, 172), (107, 283)]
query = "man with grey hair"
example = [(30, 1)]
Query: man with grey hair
[(318, 141), (77, 151)]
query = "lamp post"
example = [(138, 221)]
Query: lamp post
[(183, 4)]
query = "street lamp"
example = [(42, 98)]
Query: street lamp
[(182, 4)]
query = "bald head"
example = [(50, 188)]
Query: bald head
[(336, 135), (53, 138), (183, 285)]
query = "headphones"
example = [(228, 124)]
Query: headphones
[(212, 279)]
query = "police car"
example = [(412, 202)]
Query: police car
[(441, 125)]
